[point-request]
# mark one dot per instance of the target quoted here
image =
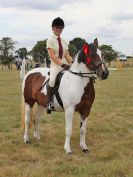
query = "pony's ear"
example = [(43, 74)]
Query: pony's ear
[(96, 42), (86, 48)]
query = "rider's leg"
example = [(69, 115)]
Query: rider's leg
[(54, 70)]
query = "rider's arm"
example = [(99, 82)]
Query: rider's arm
[(57, 60), (68, 58)]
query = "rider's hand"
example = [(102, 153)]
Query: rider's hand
[(65, 67)]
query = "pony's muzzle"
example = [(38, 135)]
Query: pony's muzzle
[(105, 74)]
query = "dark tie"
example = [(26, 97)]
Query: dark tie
[(60, 47)]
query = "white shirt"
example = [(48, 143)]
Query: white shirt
[(52, 42)]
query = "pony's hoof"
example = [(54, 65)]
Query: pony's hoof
[(36, 136), (27, 142), (69, 152), (85, 150)]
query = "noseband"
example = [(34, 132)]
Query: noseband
[(97, 66)]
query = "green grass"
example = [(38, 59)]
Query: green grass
[(109, 134)]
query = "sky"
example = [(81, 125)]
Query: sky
[(29, 21)]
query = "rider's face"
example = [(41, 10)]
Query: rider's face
[(57, 30)]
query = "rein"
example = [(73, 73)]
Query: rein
[(83, 74)]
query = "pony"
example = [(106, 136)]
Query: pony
[(75, 90)]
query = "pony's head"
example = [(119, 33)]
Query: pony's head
[(91, 56)]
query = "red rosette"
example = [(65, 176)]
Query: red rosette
[(88, 60)]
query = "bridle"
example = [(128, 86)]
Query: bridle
[(89, 74), (97, 66)]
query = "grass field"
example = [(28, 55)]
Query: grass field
[(109, 134)]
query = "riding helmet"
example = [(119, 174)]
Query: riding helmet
[(58, 22)]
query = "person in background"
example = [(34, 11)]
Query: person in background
[(60, 58), (18, 63)]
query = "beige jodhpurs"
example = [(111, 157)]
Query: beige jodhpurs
[(54, 70)]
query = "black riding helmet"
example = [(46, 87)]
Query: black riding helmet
[(58, 22)]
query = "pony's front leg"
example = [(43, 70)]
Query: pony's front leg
[(27, 122), (83, 123), (68, 125)]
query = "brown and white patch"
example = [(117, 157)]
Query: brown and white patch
[(86, 101), (32, 89)]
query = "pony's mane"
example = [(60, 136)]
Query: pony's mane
[(81, 57)]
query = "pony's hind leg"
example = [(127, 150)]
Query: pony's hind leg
[(37, 117), (83, 123), (27, 122)]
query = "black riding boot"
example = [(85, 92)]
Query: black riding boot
[(49, 98)]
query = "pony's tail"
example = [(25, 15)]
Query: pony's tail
[(22, 114), (22, 75), (31, 118)]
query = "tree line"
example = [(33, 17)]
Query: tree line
[(39, 51)]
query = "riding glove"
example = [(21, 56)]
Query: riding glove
[(65, 67)]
